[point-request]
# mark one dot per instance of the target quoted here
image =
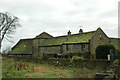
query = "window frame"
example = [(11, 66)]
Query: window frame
[(83, 47), (67, 47)]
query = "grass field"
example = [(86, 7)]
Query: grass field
[(18, 69)]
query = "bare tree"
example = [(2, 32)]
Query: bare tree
[(8, 26)]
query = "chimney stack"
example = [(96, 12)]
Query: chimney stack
[(80, 31), (69, 33)]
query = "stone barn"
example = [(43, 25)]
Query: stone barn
[(82, 43)]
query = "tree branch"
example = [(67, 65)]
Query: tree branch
[(3, 35)]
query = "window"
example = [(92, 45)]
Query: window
[(24, 45), (61, 49), (67, 48), (100, 37), (83, 47)]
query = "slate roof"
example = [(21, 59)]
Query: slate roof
[(73, 38), (22, 47)]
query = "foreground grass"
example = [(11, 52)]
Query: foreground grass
[(18, 69)]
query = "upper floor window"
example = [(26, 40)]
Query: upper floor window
[(100, 37), (83, 47), (24, 45), (61, 49), (67, 47)]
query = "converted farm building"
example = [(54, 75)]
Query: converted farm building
[(82, 43)]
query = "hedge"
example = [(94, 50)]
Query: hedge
[(102, 51)]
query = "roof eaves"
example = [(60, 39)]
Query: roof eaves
[(113, 38)]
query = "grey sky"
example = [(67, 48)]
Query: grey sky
[(58, 16)]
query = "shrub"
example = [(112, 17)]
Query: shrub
[(86, 55), (75, 59), (118, 53), (103, 50)]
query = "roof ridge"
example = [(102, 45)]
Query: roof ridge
[(74, 38), (38, 36), (75, 34)]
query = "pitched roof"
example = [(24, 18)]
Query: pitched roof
[(73, 38), (22, 47), (44, 35)]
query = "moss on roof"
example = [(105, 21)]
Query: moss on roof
[(74, 38), (22, 47)]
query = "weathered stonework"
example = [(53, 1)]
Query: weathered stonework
[(50, 50), (115, 42), (76, 48), (70, 44), (38, 40), (98, 38)]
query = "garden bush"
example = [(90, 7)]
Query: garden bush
[(74, 60), (102, 51), (118, 53)]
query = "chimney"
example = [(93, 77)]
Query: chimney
[(69, 33), (80, 31)]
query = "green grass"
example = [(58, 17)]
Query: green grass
[(44, 71)]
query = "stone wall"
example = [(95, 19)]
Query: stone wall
[(92, 64), (76, 48), (115, 41), (67, 49), (50, 50), (98, 38), (36, 43), (39, 40)]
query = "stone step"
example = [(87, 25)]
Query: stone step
[(112, 69), (110, 77), (109, 72), (113, 66), (102, 75)]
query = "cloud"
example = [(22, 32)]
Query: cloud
[(58, 16)]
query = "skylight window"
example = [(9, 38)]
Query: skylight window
[(24, 45)]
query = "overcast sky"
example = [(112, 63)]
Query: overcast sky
[(58, 16)]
